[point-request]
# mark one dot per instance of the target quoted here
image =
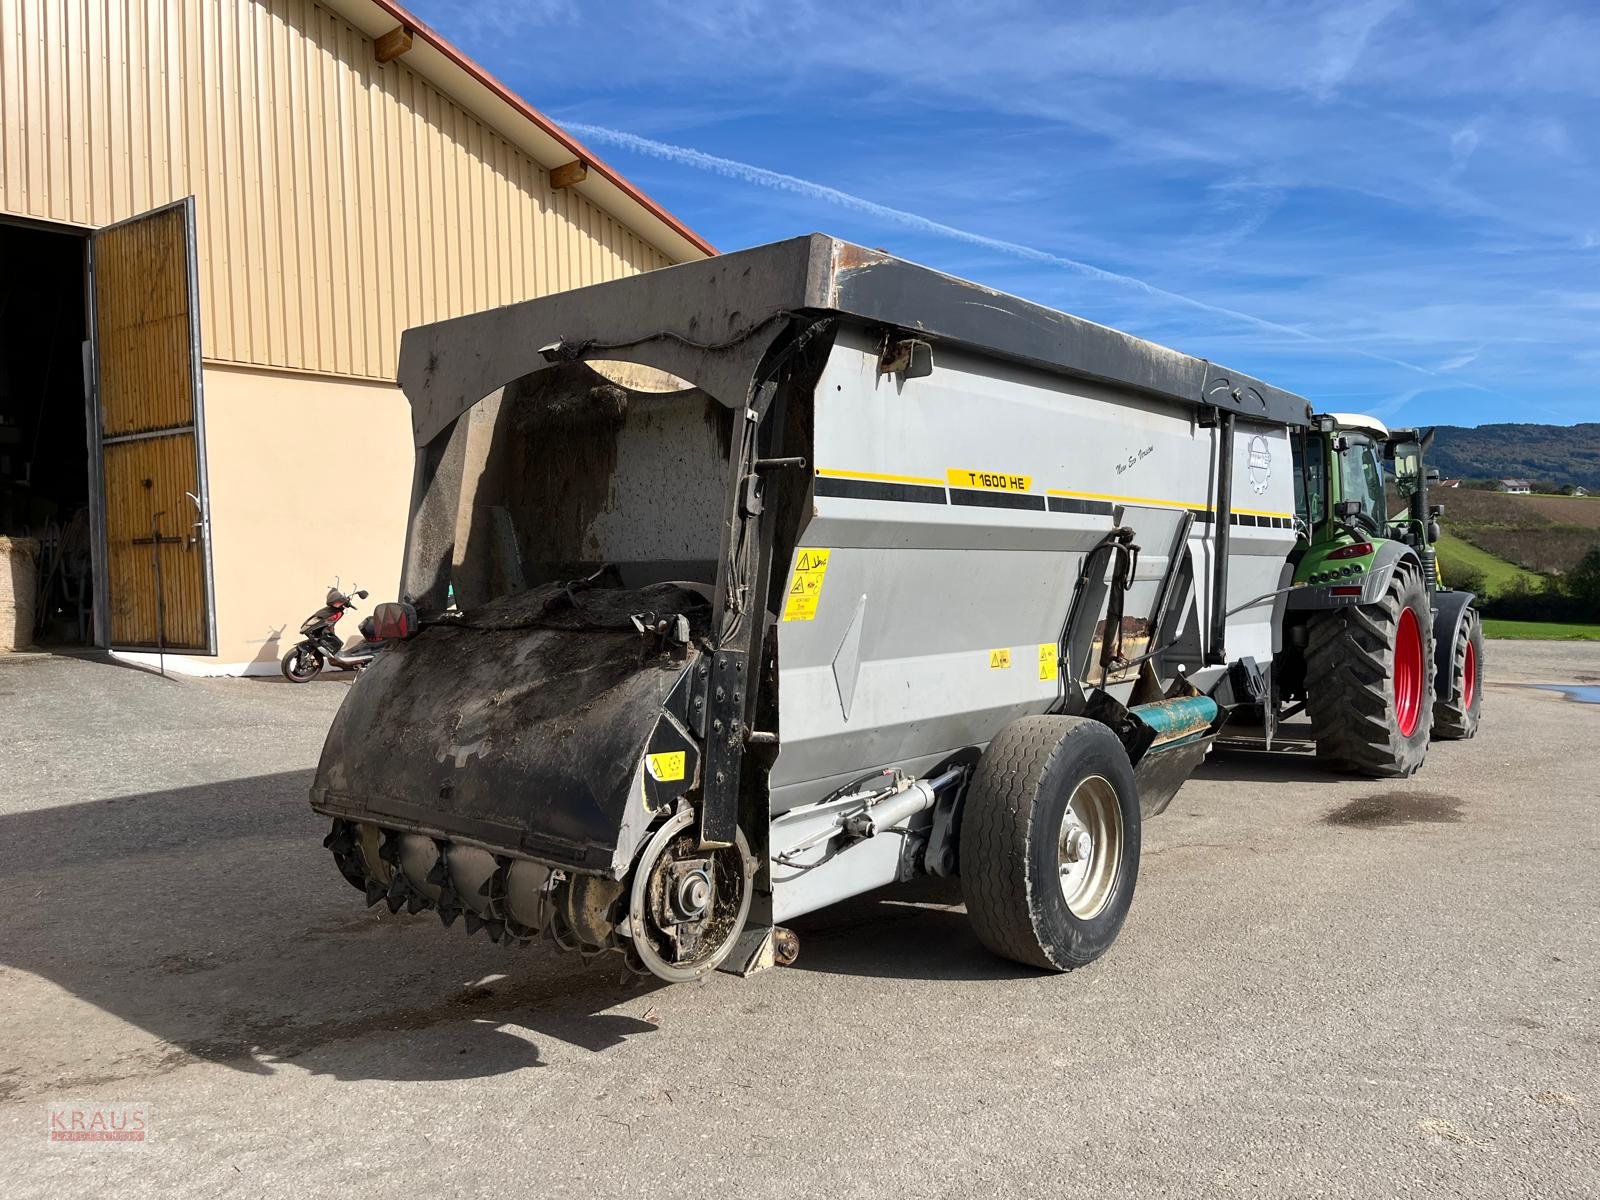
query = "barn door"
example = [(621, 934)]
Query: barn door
[(156, 579)]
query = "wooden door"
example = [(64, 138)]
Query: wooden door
[(156, 580)]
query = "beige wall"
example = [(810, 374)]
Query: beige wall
[(288, 513), (340, 200)]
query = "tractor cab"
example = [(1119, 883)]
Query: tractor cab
[(1341, 499), (1358, 484)]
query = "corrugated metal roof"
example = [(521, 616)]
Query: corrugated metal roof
[(339, 200)]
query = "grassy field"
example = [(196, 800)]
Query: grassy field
[(1535, 533), (1565, 510), (1551, 631), (1498, 574), (1472, 507)]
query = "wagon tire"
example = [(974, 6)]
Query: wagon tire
[(1370, 671), (1455, 716), (1050, 841)]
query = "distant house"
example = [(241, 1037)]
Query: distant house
[(1448, 483), (1516, 487), (1579, 491)]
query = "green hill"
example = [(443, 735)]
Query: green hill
[(1458, 559), (1560, 453)]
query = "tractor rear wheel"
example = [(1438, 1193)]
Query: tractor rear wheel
[(1455, 715), (1369, 672)]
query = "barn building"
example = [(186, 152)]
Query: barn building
[(216, 218)]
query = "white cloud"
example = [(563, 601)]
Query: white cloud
[(761, 177), (1463, 143), (1345, 33), (1414, 180)]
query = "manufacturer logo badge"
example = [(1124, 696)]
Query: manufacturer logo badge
[(1259, 463)]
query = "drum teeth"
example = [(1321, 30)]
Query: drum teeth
[(340, 839), (490, 910), (396, 896)]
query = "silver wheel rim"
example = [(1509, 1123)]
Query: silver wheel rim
[(1089, 847)]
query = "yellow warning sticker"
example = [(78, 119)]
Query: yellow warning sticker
[(1049, 660), (665, 768), (1000, 660), (988, 481), (805, 588)]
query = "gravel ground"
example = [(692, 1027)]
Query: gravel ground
[(1326, 987)]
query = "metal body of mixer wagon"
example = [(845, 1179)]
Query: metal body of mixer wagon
[(745, 586)]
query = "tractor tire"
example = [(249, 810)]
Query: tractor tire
[(1369, 673), (1050, 842), (1456, 716)]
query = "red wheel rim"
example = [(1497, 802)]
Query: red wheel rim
[(1407, 673), (1469, 676)]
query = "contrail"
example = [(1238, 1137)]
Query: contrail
[(777, 180)]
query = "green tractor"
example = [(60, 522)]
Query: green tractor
[(1380, 654)]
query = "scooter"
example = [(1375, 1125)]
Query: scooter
[(321, 645)]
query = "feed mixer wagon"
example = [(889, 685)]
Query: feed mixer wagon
[(741, 587)]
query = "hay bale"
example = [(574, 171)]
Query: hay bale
[(19, 582)]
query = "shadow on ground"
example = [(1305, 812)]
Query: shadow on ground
[(212, 918), (1262, 766), (916, 930)]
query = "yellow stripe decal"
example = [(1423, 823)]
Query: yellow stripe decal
[(1254, 512), (880, 477)]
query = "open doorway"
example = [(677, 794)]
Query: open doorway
[(44, 442)]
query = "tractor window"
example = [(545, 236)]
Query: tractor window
[(1362, 476), (1310, 485)]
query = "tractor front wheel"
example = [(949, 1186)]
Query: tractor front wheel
[(1455, 715), (1369, 672)]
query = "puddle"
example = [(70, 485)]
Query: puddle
[(1387, 809), (1583, 693)]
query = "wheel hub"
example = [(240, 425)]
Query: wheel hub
[(693, 893), (1469, 673), (1089, 849), (1408, 681), (1078, 845), (687, 906)]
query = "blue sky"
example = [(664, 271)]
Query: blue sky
[(1385, 206)]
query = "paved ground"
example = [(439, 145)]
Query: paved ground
[(1327, 987)]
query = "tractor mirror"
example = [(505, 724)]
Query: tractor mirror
[(1407, 467)]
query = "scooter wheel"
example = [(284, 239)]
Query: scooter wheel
[(302, 664)]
